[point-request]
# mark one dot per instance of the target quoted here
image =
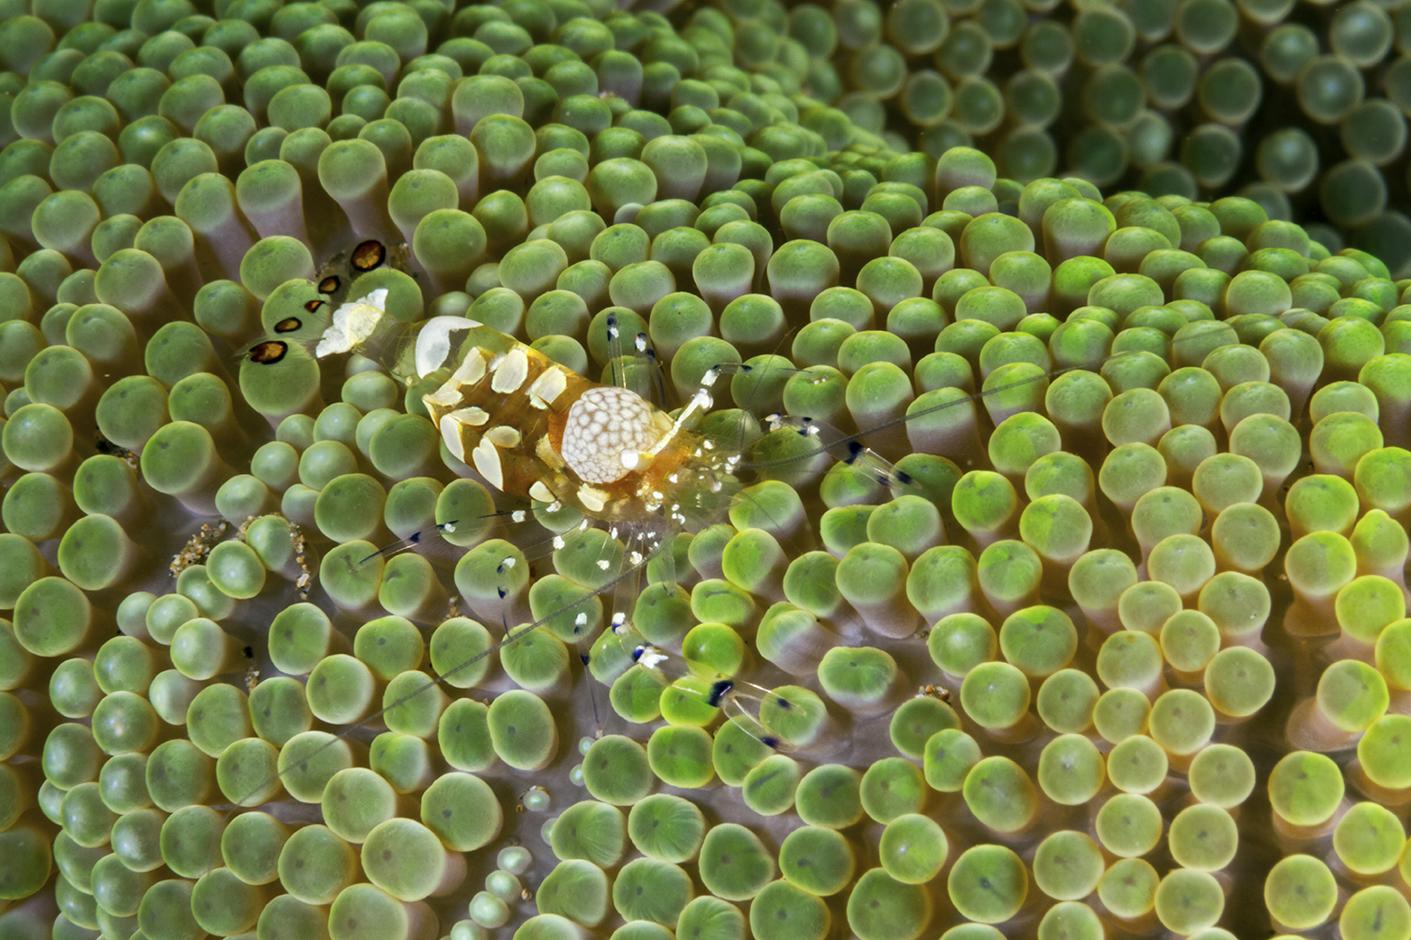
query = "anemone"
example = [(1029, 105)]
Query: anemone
[(1043, 496)]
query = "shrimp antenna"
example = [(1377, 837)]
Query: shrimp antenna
[(849, 440), (413, 540), (468, 662)]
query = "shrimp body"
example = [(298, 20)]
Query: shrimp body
[(534, 429)]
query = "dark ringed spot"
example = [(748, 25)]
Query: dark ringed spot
[(329, 284), (312, 305), (269, 352), (368, 255), (288, 324)]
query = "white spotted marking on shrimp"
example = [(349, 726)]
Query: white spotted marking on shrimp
[(592, 497), (353, 322), (605, 425), (470, 371), (650, 657), (451, 436), (433, 343), (544, 450), (511, 372), (472, 416), (486, 460), (502, 435), (546, 389)]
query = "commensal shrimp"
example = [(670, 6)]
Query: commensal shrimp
[(533, 428), (530, 427), (536, 430)]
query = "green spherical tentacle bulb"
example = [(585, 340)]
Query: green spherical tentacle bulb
[(649, 890), (591, 831), (1300, 892), (666, 827), (734, 864), (882, 906), (817, 860), (782, 910), (1305, 789), (913, 849), (988, 884)]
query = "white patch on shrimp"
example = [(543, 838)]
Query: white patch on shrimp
[(541, 492), (472, 416), (433, 343), (451, 434), (544, 450), (511, 372), (470, 371), (592, 498), (650, 657), (353, 322), (502, 435), (444, 397), (606, 431), (486, 460), (547, 387)]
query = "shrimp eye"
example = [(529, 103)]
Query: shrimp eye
[(329, 284), (269, 352), (368, 255), (288, 325), (312, 305)]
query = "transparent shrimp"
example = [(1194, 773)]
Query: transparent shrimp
[(557, 440)]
